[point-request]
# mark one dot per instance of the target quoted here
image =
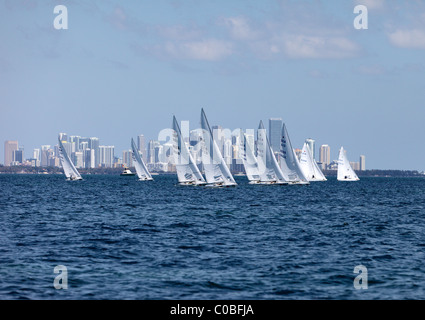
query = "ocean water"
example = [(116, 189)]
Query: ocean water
[(124, 239)]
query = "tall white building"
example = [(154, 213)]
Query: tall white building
[(79, 159), (76, 141), (94, 145), (36, 156), (107, 155), (325, 156), (141, 145), (127, 158), (153, 144), (45, 155), (89, 158)]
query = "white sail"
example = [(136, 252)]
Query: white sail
[(345, 172), (269, 169), (69, 169), (309, 166), (289, 162), (141, 169), (187, 170), (216, 171), (248, 159)]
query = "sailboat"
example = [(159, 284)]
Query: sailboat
[(69, 169), (187, 171), (141, 169), (270, 172), (289, 162), (249, 160), (217, 172), (345, 172), (309, 166)]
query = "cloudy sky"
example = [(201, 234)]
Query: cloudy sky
[(123, 68)]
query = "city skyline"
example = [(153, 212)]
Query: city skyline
[(122, 68), (86, 152)]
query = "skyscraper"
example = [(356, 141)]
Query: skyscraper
[(44, 157), (325, 156), (275, 132), (127, 158), (311, 143), (158, 153), (151, 150), (362, 163), (89, 158), (9, 148), (36, 156), (141, 145), (94, 145), (78, 159), (107, 155), (76, 140), (18, 157)]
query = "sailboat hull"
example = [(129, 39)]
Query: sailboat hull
[(192, 183), (74, 179)]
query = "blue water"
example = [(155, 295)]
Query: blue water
[(124, 239)]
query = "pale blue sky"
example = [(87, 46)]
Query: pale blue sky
[(124, 67)]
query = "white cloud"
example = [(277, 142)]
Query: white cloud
[(309, 36), (239, 28), (414, 38), (315, 47), (207, 50), (179, 32)]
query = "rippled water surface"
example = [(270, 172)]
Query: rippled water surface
[(124, 239)]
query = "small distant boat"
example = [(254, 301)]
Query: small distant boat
[(127, 172), (69, 169), (345, 172)]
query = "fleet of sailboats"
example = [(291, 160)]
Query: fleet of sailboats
[(261, 163)]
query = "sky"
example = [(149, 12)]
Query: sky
[(124, 68)]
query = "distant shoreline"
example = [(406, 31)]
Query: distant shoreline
[(117, 171)]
